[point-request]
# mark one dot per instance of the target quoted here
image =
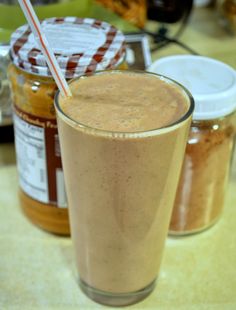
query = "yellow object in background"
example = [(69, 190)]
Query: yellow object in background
[(227, 11), (134, 11)]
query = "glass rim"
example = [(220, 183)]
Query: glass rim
[(141, 133)]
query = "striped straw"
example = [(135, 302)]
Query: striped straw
[(45, 47)]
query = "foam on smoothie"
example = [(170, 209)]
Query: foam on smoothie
[(136, 103)]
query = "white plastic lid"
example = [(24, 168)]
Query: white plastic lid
[(211, 83)]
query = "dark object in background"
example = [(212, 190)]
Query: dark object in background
[(168, 11), (6, 134), (6, 127), (138, 55)]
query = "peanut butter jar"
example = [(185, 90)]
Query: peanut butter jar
[(202, 186), (81, 46)]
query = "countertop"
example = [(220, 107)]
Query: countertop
[(37, 269)]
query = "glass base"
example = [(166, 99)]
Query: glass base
[(113, 299)]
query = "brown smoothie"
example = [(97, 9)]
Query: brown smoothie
[(121, 175)]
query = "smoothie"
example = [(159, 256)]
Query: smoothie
[(123, 137)]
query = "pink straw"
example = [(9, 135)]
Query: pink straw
[(45, 47)]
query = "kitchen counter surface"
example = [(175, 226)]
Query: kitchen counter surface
[(198, 272)]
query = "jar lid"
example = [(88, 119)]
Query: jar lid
[(211, 82), (81, 45)]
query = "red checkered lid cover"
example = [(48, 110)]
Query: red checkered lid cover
[(81, 46)]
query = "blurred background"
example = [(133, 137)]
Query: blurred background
[(170, 26), (136, 12), (154, 29)]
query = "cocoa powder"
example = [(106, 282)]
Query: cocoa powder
[(202, 186)]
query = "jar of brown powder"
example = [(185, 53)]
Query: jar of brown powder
[(202, 187), (81, 46)]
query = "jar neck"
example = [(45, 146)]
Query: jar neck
[(216, 123)]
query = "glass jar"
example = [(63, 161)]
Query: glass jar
[(5, 98), (203, 183), (81, 46), (202, 187)]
